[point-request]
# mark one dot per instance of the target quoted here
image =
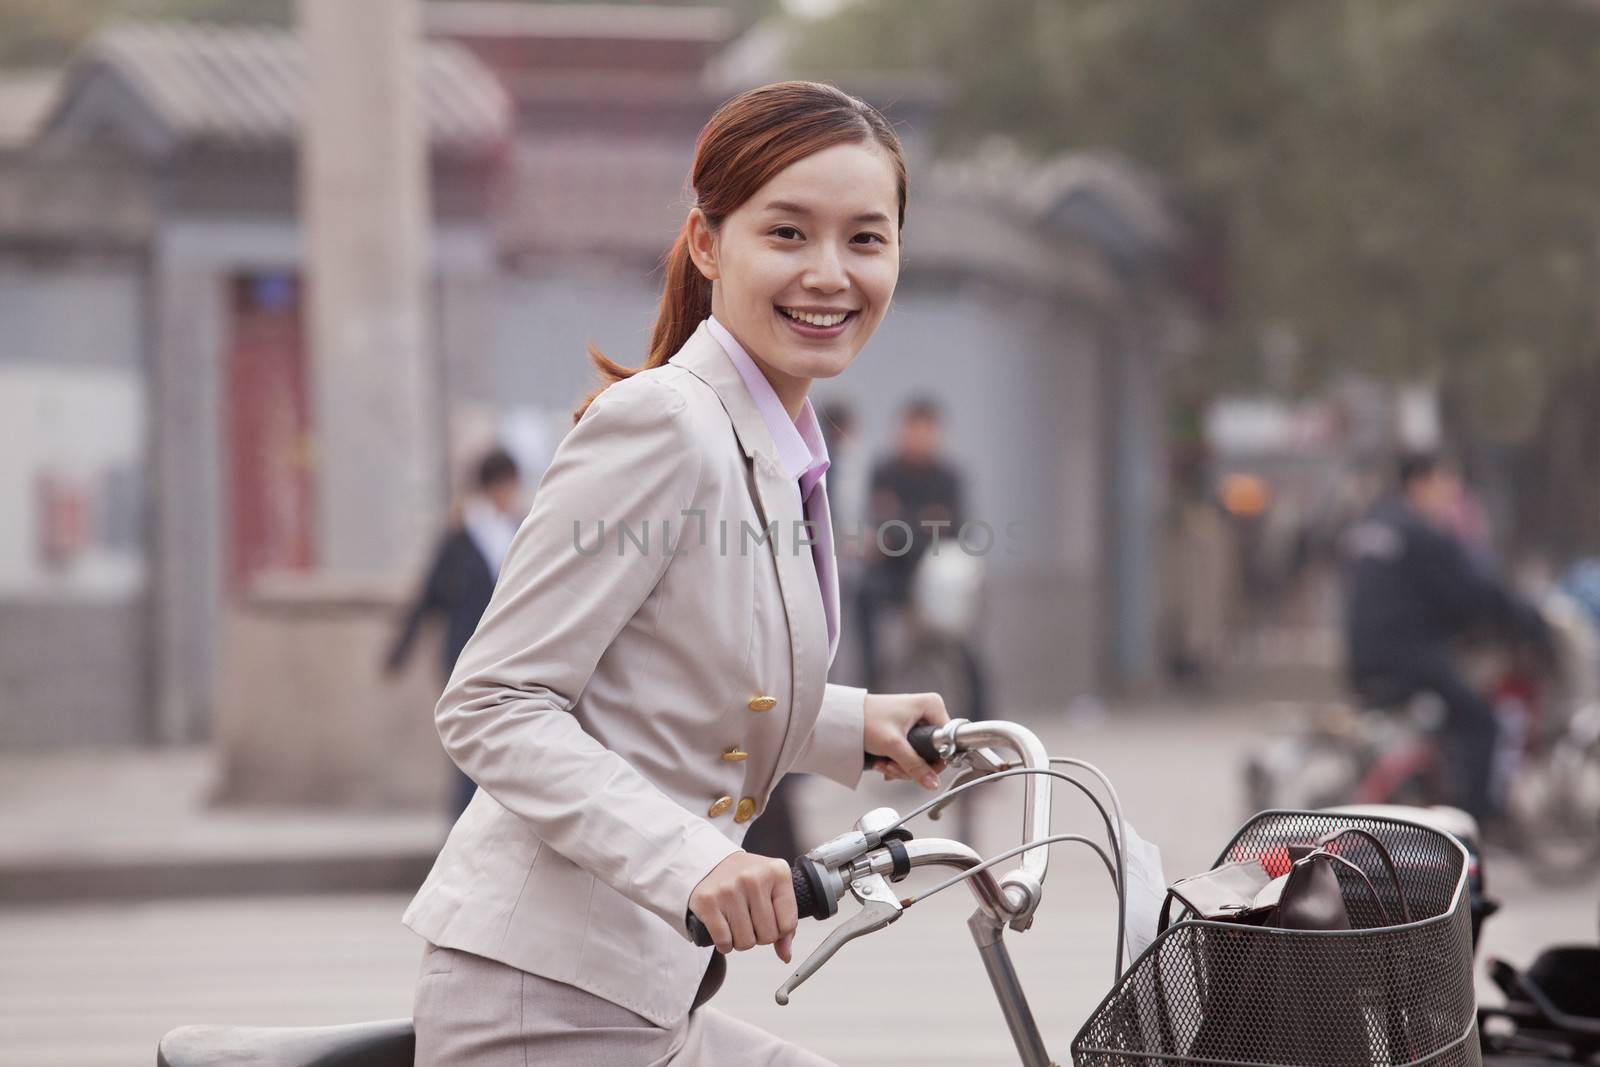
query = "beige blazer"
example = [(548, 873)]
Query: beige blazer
[(653, 660)]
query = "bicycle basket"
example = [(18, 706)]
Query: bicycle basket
[(1377, 994)]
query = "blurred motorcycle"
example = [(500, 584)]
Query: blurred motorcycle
[(1551, 775), (1547, 766)]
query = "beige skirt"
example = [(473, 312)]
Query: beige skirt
[(472, 1010)]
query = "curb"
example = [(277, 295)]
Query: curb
[(64, 881)]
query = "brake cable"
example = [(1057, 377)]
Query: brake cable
[(1118, 870), (992, 860)]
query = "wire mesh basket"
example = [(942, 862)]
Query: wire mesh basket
[(1380, 993)]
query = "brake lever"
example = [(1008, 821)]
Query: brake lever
[(979, 762), (879, 908)]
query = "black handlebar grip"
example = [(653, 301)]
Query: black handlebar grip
[(807, 896), (698, 931), (921, 738)]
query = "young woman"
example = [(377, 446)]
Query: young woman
[(655, 655)]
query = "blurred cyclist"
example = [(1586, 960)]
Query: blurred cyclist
[(1413, 590)]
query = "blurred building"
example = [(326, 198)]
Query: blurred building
[(156, 359), (153, 355)]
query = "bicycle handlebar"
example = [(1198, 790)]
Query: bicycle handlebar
[(879, 850), (811, 892), (818, 887), (1024, 886)]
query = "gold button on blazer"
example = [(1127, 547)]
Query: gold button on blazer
[(660, 579)]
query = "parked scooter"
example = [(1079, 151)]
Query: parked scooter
[(1552, 1009)]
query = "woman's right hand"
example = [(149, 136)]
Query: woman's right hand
[(748, 900)]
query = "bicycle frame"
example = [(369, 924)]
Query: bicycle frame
[(990, 939)]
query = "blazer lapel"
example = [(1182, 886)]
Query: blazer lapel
[(778, 502), (827, 564)]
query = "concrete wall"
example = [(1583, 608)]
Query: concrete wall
[(73, 613), (72, 673)]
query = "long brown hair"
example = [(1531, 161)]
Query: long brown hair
[(747, 142)]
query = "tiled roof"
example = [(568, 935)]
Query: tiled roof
[(244, 87), (1099, 198)]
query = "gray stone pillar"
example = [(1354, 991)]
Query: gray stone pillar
[(364, 203)]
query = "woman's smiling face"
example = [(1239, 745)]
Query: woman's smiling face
[(803, 271)]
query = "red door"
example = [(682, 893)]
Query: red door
[(267, 426)]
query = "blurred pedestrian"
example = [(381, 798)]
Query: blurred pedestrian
[(461, 578), (915, 502)]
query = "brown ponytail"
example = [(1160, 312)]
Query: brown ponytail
[(749, 140)]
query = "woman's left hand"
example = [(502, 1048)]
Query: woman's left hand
[(890, 716)]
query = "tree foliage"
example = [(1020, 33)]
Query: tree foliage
[(1408, 186)]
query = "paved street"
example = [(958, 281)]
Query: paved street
[(90, 985)]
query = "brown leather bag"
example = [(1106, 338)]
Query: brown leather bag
[(1225, 894), (1311, 897)]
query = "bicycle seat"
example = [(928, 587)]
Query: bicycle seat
[(1564, 983), (383, 1044)]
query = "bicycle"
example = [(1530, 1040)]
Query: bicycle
[(867, 861)]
